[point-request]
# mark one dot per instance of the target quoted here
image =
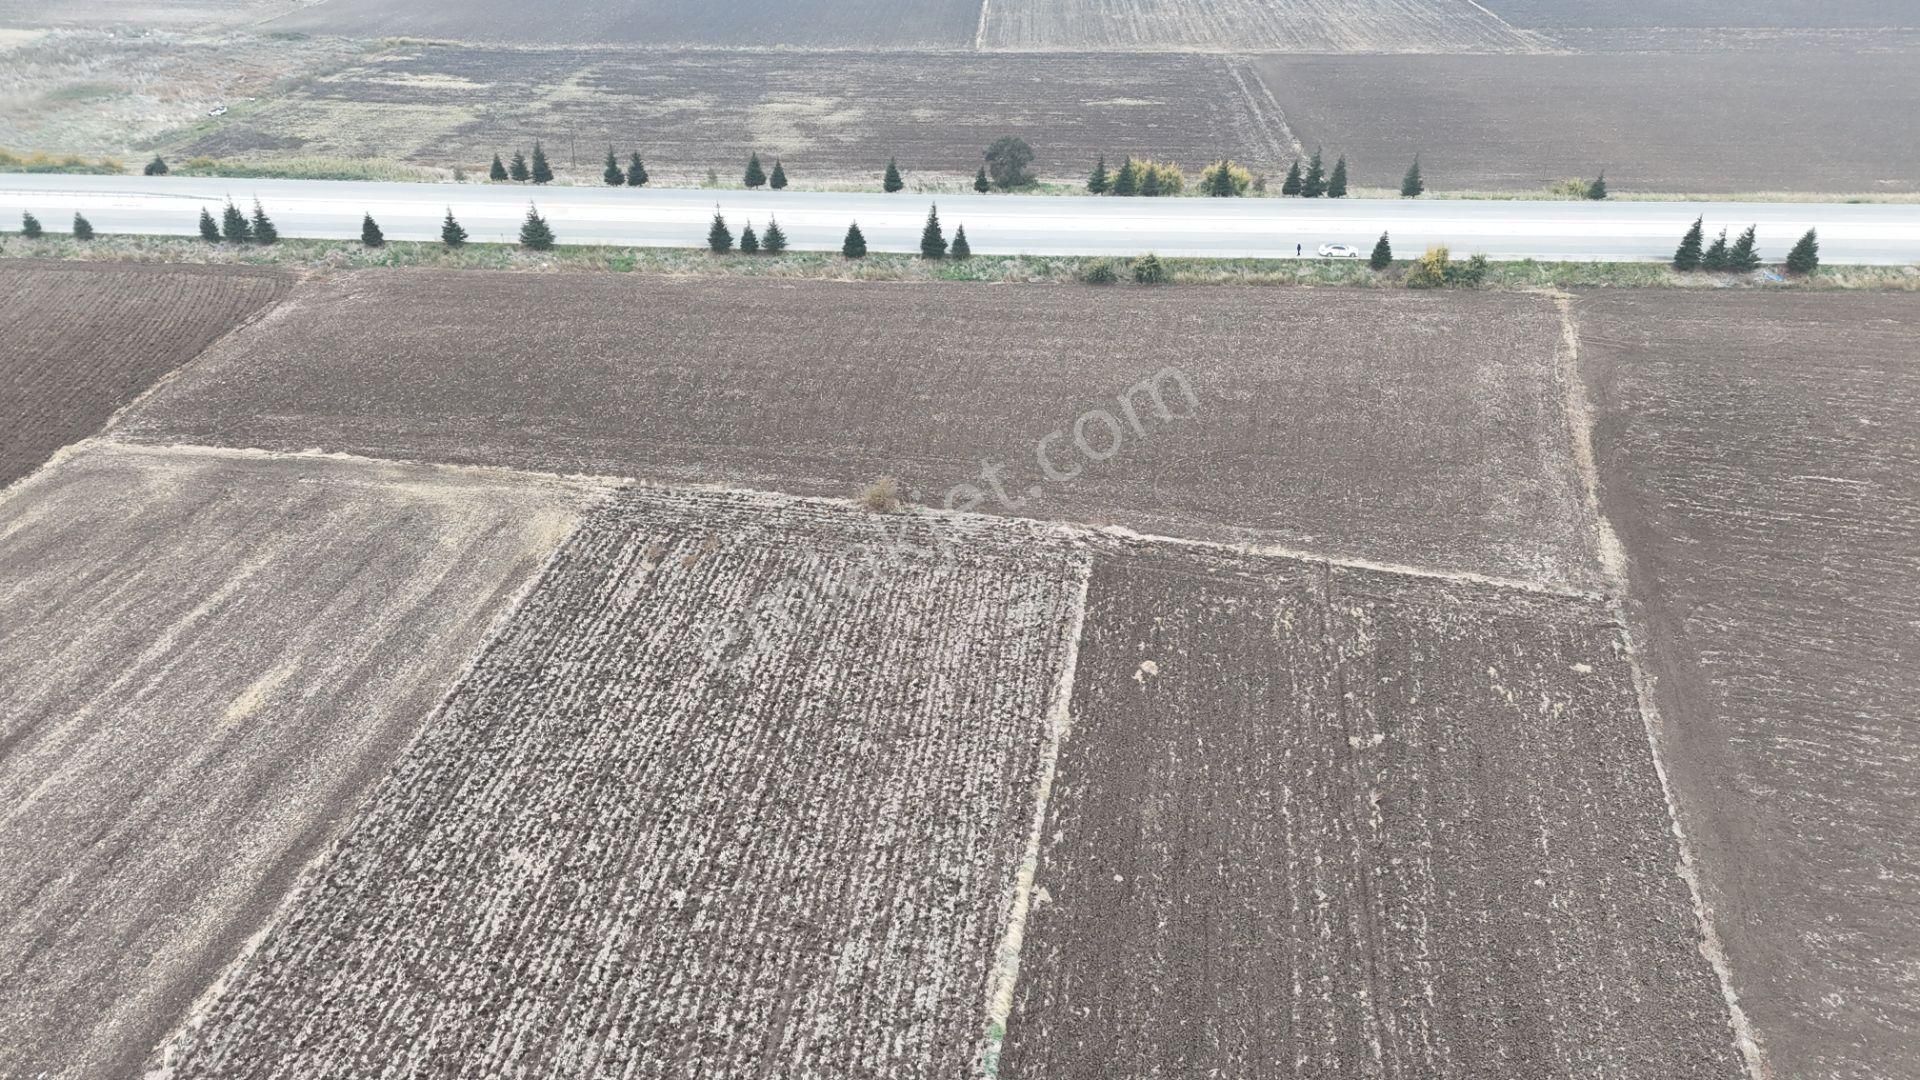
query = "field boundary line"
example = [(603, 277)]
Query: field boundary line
[(980, 29), (1614, 567), (1285, 140), (1005, 974)]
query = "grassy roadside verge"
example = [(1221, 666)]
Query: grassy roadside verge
[(321, 255)]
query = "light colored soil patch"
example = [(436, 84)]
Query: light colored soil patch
[(1337, 26)]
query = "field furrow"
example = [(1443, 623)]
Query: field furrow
[(1300, 26), (742, 791)]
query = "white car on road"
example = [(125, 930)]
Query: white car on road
[(1338, 251)]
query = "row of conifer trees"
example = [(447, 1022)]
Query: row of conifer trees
[(1741, 256)]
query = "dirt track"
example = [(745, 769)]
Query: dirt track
[(207, 660)]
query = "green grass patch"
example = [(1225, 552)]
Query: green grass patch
[(308, 168)]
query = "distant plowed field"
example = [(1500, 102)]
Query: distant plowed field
[(79, 341), (1251, 25), (829, 116), (206, 659), (1762, 462), (834, 23), (743, 791), (1407, 427), (1338, 823)]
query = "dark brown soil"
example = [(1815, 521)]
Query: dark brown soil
[(78, 341), (1416, 428), (1791, 121), (1761, 460)]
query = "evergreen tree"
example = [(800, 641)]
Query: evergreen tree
[(933, 242), (1099, 182), (1598, 189), (636, 171), (613, 174), (1715, 260), (82, 228), (535, 233), (233, 225), (209, 228), (263, 230), (30, 225), (779, 178), (1743, 259), (773, 241), (1337, 187), (518, 170), (497, 171), (980, 181), (1382, 256), (719, 237), (1805, 256), (855, 245), (961, 249), (749, 243), (1687, 256), (542, 172), (755, 176), (156, 167), (1413, 185), (370, 233), (1220, 179), (1291, 185), (1315, 185), (451, 232), (1007, 161), (891, 182), (1127, 180), (1149, 181)]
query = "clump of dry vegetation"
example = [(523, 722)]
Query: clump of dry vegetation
[(884, 495)]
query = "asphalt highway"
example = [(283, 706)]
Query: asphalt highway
[(1610, 231)]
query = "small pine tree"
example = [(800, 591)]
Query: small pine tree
[(233, 225), (855, 245), (535, 233), (1413, 185), (1743, 259), (1149, 182), (1337, 186), (613, 174), (719, 237), (30, 225), (773, 241), (1715, 260), (1382, 256), (1220, 179), (209, 228), (891, 182), (542, 172), (961, 249), (156, 167), (1805, 256), (518, 170), (451, 232), (1149, 270), (370, 233), (1598, 189), (1315, 184), (1126, 182), (749, 240), (980, 182), (933, 242), (82, 228), (1098, 183), (263, 230), (1291, 185), (497, 171), (755, 176), (1687, 256), (636, 171), (779, 178)]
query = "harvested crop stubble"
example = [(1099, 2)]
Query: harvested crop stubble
[(1760, 458), (1326, 822), (1405, 427), (1312, 26), (207, 658), (744, 786), (818, 23), (77, 341)]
